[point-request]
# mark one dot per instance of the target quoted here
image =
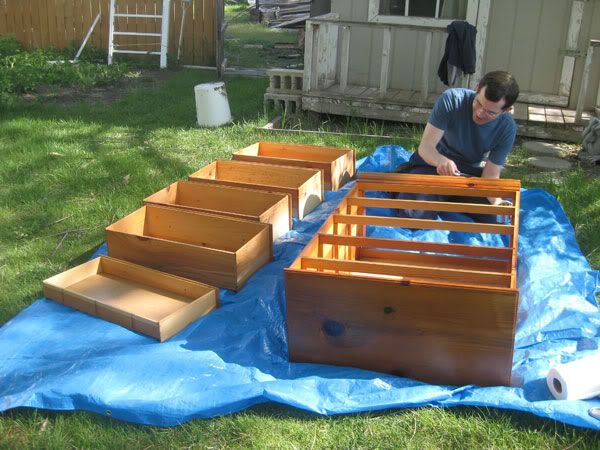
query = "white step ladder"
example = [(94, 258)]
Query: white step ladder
[(164, 32)]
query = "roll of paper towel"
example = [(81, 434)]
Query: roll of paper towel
[(576, 380)]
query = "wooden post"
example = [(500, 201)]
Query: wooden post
[(309, 41), (344, 58), (482, 24), (385, 61), (220, 51), (566, 77), (426, 61), (111, 31), (585, 79)]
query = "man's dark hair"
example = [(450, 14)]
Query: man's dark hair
[(500, 85)]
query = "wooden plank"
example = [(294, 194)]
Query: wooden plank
[(431, 206), (41, 10), (514, 240), (13, 19), (519, 111), (555, 119), (385, 61), (3, 25), (28, 32), (60, 37), (344, 58), (69, 25), (441, 335), (86, 19), (426, 64), (483, 17), (422, 272), (467, 227), (187, 53), (415, 189), (442, 181), (433, 261), (566, 77), (208, 31), (51, 21), (435, 247)]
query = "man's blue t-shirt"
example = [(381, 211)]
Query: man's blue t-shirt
[(464, 141)]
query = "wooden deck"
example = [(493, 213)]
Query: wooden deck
[(538, 121)]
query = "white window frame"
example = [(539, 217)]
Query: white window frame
[(374, 16)]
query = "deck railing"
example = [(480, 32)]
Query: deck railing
[(585, 81)]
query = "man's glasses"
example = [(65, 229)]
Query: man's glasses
[(487, 112)]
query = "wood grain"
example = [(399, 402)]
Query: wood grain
[(305, 186), (439, 312), (133, 296), (337, 164), (435, 334)]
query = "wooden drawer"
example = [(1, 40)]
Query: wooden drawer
[(141, 299), (221, 251), (260, 206), (337, 164), (305, 186), (442, 313)]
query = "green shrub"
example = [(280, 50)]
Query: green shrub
[(9, 45), (22, 71)]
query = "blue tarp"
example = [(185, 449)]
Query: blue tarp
[(54, 357)]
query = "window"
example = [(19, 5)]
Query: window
[(417, 12)]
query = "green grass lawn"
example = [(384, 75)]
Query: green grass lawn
[(69, 171), (250, 44)]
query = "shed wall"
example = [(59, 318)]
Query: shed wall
[(528, 39), (590, 30)]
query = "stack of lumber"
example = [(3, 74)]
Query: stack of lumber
[(285, 13)]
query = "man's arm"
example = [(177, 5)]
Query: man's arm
[(428, 151), (491, 170)]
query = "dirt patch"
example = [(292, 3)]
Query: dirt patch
[(68, 96)]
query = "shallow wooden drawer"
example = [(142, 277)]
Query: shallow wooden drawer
[(221, 251), (248, 204), (141, 299), (337, 164), (305, 186)]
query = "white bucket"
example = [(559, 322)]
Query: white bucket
[(212, 106)]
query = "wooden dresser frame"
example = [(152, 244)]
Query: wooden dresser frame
[(441, 313)]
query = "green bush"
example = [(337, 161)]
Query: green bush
[(22, 71), (9, 45)]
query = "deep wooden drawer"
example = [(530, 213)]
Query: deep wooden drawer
[(305, 186), (260, 206), (337, 164), (217, 250)]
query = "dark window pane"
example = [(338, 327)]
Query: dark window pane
[(422, 8), (449, 9), (392, 7)]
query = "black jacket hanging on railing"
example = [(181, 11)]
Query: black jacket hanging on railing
[(459, 56)]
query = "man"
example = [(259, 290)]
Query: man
[(468, 132)]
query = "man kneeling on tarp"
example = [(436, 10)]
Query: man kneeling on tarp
[(468, 133)]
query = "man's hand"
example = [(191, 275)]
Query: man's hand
[(447, 167)]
